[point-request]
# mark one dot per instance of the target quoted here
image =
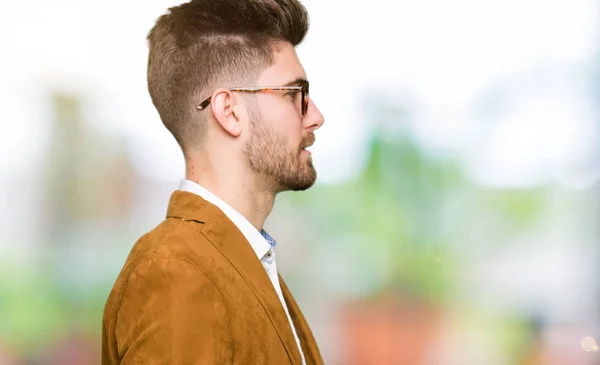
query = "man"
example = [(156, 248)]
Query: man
[(202, 287)]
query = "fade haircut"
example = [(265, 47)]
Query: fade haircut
[(203, 44)]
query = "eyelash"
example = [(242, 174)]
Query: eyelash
[(293, 93)]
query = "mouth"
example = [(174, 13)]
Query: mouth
[(308, 145), (307, 149)]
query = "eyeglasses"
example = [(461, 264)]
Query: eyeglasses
[(303, 88)]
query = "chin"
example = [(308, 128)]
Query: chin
[(303, 187), (300, 183), (306, 182), (299, 179)]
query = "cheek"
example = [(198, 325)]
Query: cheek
[(283, 120), (281, 109), (287, 137), (292, 133), (287, 128)]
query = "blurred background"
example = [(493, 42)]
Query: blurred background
[(454, 222)]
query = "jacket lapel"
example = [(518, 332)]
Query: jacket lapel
[(307, 340), (227, 238)]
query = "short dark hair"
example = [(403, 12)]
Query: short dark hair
[(203, 44)]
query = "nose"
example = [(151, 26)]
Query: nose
[(313, 118)]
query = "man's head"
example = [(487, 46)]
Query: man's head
[(206, 49)]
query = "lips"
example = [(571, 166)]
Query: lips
[(309, 141)]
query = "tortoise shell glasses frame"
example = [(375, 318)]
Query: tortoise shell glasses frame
[(303, 88)]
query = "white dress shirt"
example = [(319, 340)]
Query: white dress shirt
[(262, 248)]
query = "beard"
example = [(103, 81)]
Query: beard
[(284, 169)]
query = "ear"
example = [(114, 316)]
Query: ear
[(226, 111)]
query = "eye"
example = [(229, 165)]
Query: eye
[(292, 93)]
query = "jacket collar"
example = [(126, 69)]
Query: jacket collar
[(258, 243)]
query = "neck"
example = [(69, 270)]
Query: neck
[(238, 188)]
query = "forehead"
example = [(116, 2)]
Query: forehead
[(286, 66)]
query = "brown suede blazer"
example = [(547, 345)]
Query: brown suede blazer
[(192, 291)]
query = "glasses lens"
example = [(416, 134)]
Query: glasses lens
[(305, 98)]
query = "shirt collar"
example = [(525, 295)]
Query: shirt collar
[(253, 236), (268, 238)]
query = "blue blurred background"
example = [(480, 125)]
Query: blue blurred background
[(455, 219)]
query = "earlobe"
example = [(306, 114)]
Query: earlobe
[(224, 109)]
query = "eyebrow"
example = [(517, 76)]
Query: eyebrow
[(297, 82)]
